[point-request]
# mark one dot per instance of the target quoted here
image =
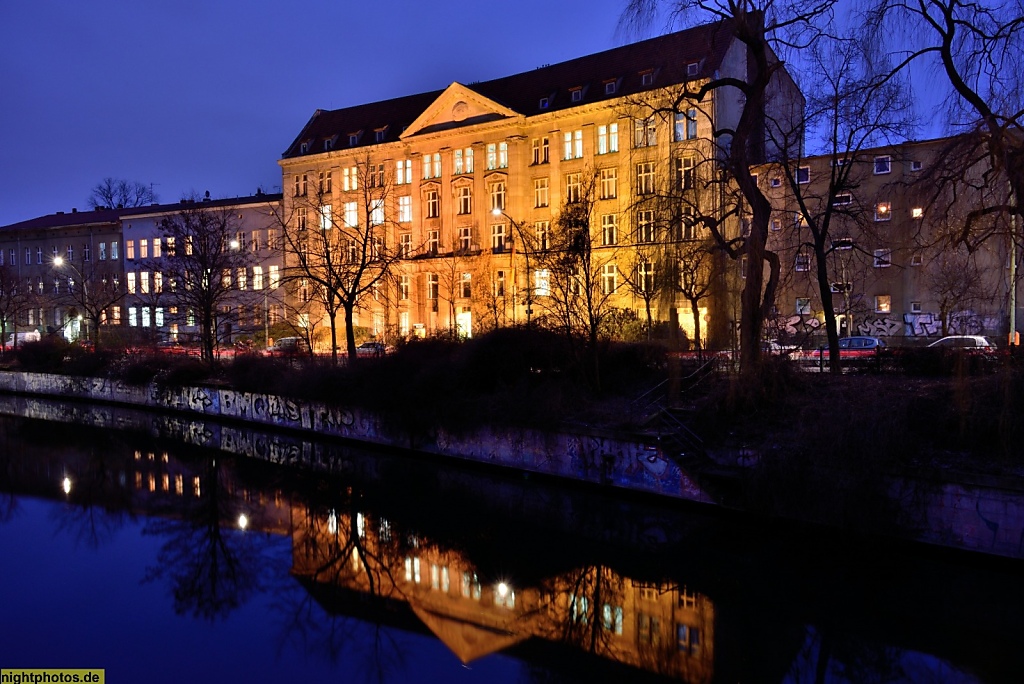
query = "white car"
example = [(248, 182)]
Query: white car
[(964, 342)]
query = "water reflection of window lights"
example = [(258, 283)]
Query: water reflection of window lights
[(360, 525), (470, 585), (578, 609), (686, 599), (357, 562), (444, 579), (179, 485), (195, 486), (414, 541), (152, 482), (163, 457), (138, 480), (332, 522), (648, 629), (165, 482), (435, 576), (138, 455), (151, 456), (412, 570), (385, 530), (611, 618), (689, 639)]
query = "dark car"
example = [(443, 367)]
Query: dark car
[(289, 346)]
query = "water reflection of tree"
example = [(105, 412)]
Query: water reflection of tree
[(99, 505), (211, 569), (337, 549)]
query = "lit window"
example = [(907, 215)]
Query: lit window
[(540, 192), (883, 211), (917, 212), (572, 145), (609, 183), (573, 187), (498, 237), (645, 178), (497, 196), (542, 229), (465, 197), (465, 238), (608, 138), (433, 204), (405, 209), (883, 304), (403, 171), (541, 150), (645, 227), (609, 229), (645, 132), (542, 282)]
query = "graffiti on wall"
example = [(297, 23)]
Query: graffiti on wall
[(800, 324), (880, 327), (929, 324)]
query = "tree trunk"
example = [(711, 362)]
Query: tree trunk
[(350, 333)]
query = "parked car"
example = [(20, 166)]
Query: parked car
[(977, 342), (371, 350), (289, 346), (857, 346)]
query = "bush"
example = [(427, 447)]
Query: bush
[(45, 356)]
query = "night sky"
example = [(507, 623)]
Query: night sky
[(194, 96)]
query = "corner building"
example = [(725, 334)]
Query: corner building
[(465, 184)]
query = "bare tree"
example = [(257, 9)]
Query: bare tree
[(852, 108), (343, 256), (694, 279), (117, 193), (581, 277), (761, 29), (92, 288), (201, 261), (14, 301), (979, 48)]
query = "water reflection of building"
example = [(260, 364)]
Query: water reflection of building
[(660, 628)]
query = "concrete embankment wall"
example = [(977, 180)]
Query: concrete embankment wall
[(596, 458), (981, 516)]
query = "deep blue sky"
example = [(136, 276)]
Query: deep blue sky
[(194, 96)]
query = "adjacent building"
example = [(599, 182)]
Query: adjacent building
[(70, 273)]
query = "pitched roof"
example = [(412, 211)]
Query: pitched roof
[(667, 58), (112, 216)]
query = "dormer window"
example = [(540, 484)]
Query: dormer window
[(647, 78), (378, 135), (328, 144), (576, 94), (353, 139), (544, 102), (609, 87), (303, 148), (692, 69)]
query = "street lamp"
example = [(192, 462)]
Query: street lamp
[(59, 262), (526, 254)]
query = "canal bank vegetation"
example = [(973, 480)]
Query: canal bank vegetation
[(949, 417)]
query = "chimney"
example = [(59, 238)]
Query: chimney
[(74, 210)]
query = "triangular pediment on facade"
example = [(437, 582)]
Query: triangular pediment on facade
[(467, 637), (456, 107)]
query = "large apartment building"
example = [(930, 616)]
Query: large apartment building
[(894, 268), (448, 201)]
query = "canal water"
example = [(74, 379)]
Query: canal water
[(166, 549)]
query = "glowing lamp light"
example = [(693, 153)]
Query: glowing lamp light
[(496, 212), (243, 521), (234, 244), (502, 589), (66, 485), (58, 261)]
